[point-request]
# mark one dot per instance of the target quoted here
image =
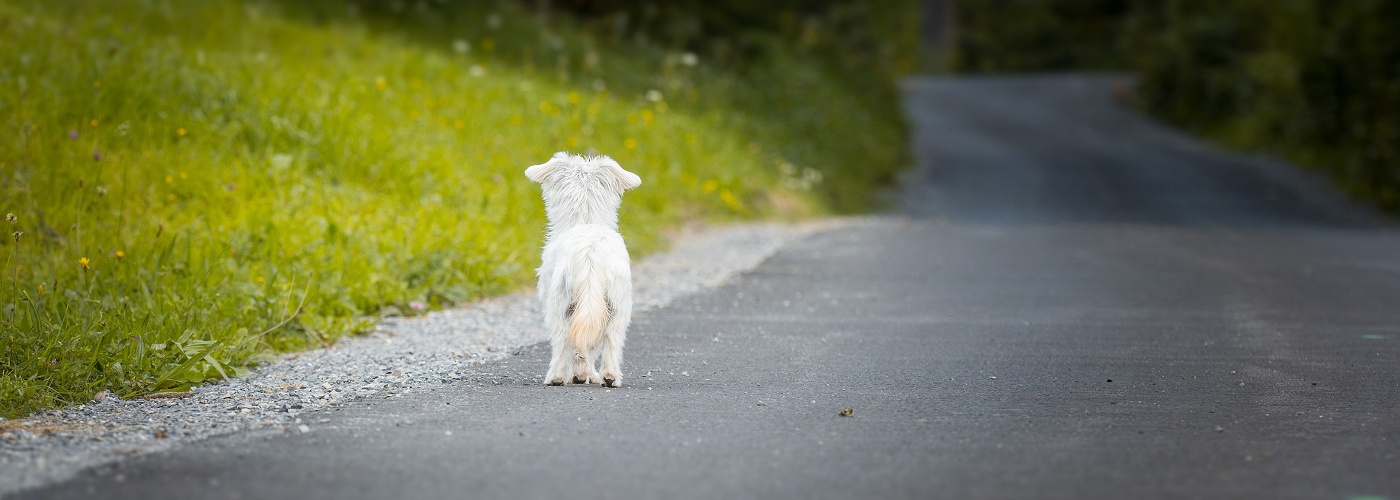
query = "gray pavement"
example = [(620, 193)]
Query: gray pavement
[(1076, 303)]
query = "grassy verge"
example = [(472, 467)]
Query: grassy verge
[(195, 184)]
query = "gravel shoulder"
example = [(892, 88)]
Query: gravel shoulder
[(400, 356)]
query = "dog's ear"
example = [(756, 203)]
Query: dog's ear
[(541, 173), (627, 180)]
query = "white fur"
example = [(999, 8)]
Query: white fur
[(586, 266)]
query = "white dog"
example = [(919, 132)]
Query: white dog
[(585, 273)]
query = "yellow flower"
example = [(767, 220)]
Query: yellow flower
[(457, 124), (84, 262), (380, 84), (120, 254), (181, 132), (710, 186), (97, 84), (630, 143), (516, 120), (93, 122), (41, 289), (647, 115), (728, 198), (169, 179), (184, 175), (573, 141), (573, 97), (171, 197)]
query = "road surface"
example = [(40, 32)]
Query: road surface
[(1073, 303)]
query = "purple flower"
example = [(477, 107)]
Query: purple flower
[(417, 306), (73, 134), (96, 155)]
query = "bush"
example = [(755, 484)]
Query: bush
[(1316, 81)]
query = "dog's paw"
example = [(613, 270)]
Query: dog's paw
[(580, 380), (612, 380), (554, 381)]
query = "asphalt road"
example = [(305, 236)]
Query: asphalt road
[(1076, 304)]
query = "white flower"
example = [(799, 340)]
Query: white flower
[(461, 46), (654, 95)]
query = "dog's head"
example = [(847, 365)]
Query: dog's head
[(582, 190)]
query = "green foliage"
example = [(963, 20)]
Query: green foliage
[(1316, 81), (201, 182), (1039, 35)]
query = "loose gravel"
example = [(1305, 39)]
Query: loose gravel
[(399, 356)]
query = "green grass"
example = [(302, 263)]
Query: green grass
[(200, 183)]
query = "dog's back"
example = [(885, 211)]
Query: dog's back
[(585, 274), (587, 271)]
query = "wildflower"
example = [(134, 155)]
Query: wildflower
[(73, 134), (654, 95), (97, 84), (417, 306), (689, 59), (181, 132), (478, 70), (12, 218), (630, 143), (184, 175), (380, 84), (120, 254), (41, 289), (573, 97), (17, 235), (96, 155), (461, 46), (169, 179), (101, 191), (84, 262), (93, 122)]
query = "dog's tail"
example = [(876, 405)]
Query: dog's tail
[(591, 311)]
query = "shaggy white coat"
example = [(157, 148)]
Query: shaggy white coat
[(585, 274)]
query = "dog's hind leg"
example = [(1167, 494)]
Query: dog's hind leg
[(613, 339), (558, 372)]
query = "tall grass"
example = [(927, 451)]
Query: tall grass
[(198, 183)]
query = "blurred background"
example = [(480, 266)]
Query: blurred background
[(1315, 81)]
